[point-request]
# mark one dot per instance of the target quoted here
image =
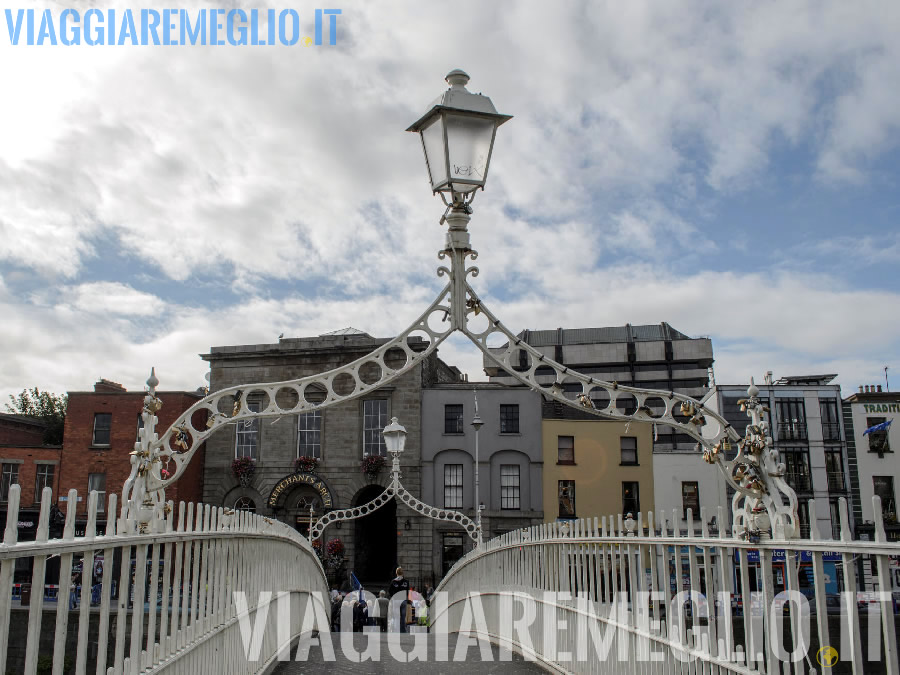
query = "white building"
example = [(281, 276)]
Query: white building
[(877, 469)]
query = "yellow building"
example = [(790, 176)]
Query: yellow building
[(596, 468)]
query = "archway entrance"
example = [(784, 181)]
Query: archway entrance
[(375, 538), (297, 506)]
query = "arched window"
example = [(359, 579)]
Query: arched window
[(245, 504)]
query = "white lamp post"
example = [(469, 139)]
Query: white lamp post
[(395, 440)]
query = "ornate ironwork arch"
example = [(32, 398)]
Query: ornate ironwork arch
[(764, 505)]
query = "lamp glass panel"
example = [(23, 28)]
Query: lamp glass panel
[(469, 139), (433, 139)]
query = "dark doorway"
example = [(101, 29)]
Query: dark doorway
[(375, 535)]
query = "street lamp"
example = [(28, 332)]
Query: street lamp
[(395, 440), (477, 423), (457, 136)]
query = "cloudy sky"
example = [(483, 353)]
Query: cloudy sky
[(731, 168)]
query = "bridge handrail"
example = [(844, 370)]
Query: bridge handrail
[(188, 560), (607, 562)]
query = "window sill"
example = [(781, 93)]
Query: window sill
[(566, 464), (454, 433), (510, 433), (629, 464), (99, 447)]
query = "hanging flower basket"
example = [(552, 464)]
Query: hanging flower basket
[(372, 464), (335, 548), (305, 464), (243, 469)]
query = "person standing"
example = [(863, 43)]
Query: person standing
[(382, 607), (400, 585)]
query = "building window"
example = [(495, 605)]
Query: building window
[(791, 419), (140, 425), (631, 498), (834, 468), (509, 486), (44, 479), (629, 450), (884, 488), (831, 427), (509, 419), (97, 481), (567, 499), (835, 510), (796, 468), (375, 419), (451, 550), (309, 434), (102, 425), (8, 477), (566, 449), (690, 499), (453, 486), (803, 517), (453, 419), (247, 434), (878, 440), (245, 504)]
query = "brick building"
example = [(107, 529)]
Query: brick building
[(26, 461), (100, 432), (339, 436)]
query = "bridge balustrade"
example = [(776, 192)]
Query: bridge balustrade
[(614, 594), (151, 597)]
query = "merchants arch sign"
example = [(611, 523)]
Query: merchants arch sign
[(310, 479)]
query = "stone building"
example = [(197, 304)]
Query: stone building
[(339, 437), (509, 461)]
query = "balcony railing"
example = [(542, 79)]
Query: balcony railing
[(831, 431), (836, 481), (798, 480), (792, 431)]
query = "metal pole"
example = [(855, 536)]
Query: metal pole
[(477, 423)]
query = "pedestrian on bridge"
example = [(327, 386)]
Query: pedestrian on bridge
[(400, 585)]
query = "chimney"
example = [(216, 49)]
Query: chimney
[(879, 388), (867, 389), (860, 389), (108, 386)]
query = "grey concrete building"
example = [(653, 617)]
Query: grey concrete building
[(340, 436), (807, 425), (509, 458), (652, 356)]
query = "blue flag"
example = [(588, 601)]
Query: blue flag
[(878, 427), (356, 585)]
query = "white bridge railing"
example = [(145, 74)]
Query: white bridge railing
[(155, 597), (610, 595)]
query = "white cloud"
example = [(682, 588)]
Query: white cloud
[(252, 169), (104, 298)]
